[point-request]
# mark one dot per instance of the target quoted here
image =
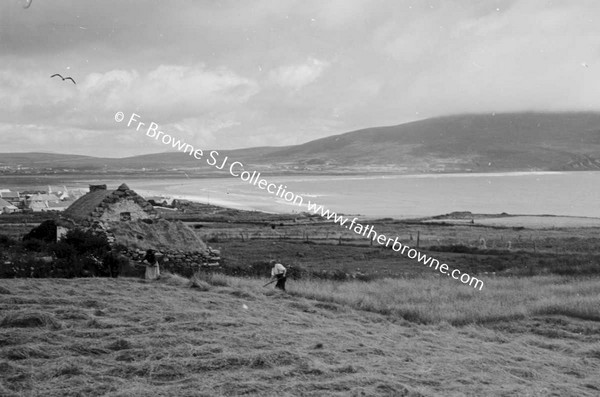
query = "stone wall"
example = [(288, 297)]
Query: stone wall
[(121, 200), (182, 263), (113, 212)]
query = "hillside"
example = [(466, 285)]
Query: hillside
[(127, 337), (463, 143), (519, 141)]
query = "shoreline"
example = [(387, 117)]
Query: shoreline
[(401, 196)]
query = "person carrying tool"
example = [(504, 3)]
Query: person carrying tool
[(278, 272)]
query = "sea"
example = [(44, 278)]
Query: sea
[(397, 196)]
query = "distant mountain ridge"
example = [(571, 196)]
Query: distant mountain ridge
[(461, 143)]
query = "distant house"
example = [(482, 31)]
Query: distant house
[(12, 197), (6, 207), (157, 200), (66, 194), (40, 202)]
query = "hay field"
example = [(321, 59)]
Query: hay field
[(230, 336)]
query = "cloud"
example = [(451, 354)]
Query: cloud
[(168, 93), (272, 72), (517, 56), (46, 113), (299, 75)]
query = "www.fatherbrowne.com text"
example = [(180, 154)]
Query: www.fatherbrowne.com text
[(236, 169)]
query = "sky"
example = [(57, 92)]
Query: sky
[(224, 74)]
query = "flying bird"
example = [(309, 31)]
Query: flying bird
[(27, 3), (64, 78)]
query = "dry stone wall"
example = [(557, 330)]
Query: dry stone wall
[(113, 212), (183, 263), (121, 200)]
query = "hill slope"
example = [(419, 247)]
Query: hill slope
[(520, 141), (463, 143)]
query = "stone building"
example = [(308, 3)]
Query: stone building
[(131, 222), (102, 205)]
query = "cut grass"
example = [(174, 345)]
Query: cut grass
[(236, 338), (27, 319)]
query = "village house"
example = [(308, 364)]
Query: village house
[(7, 208), (40, 202), (159, 201), (13, 198), (65, 194)]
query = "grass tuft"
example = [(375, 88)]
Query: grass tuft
[(199, 284), (119, 344), (173, 279), (214, 279), (29, 319), (584, 308), (67, 369), (25, 352)]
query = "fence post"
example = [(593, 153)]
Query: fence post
[(418, 238)]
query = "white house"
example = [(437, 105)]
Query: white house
[(6, 207), (40, 201)]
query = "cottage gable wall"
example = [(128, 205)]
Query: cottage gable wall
[(113, 212)]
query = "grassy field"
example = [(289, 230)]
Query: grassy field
[(538, 336)]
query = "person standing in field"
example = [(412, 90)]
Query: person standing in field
[(278, 272), (152, 269)]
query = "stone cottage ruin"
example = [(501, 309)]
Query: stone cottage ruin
[(102, 205), (131, 223)]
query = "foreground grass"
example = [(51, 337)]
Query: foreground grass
[(433, 300), (230, 336)]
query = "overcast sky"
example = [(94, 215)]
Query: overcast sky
[(233, 74)]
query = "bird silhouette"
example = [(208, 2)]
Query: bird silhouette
[(64, 78)]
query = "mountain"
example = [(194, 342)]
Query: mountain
[(461, 143), (516, 141)]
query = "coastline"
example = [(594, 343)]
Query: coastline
[(398, 196)]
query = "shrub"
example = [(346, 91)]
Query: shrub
[(62, 250), (35, 245), (27, 265), (114, 262), (7, 241), (86, 242), (46, 231)]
